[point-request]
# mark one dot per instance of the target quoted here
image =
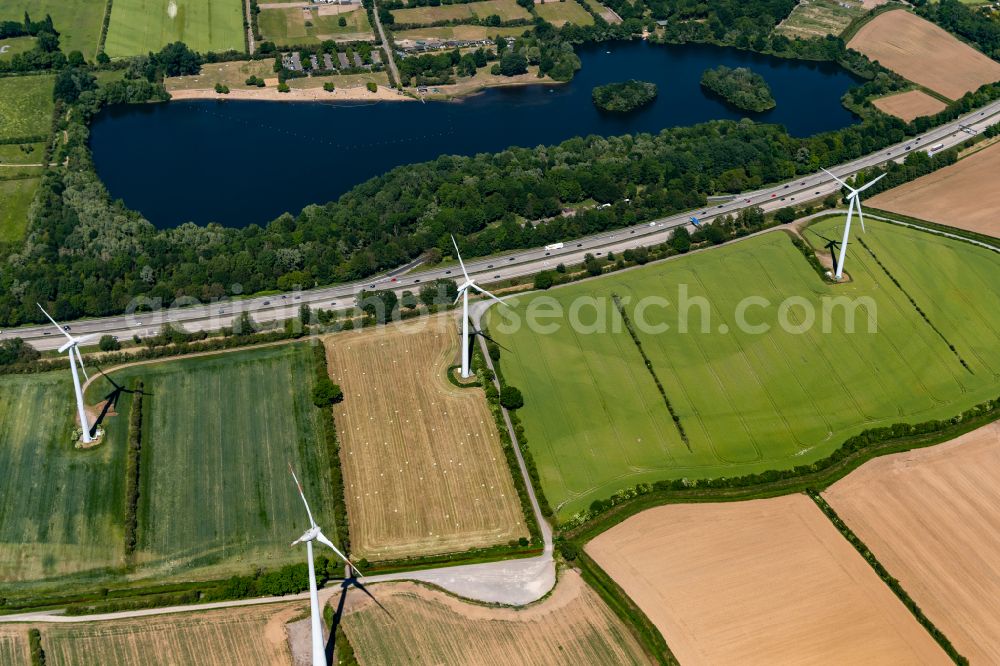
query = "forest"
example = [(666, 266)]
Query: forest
[(741, 87)]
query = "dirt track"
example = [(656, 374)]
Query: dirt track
[(909, 105), (964, 195), (930, 516), (759, 582), (924, 53)]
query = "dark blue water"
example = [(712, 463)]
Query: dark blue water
[(238, 163)]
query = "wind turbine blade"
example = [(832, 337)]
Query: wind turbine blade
[(61, 330), (79, 360), (861, 217), (312, 523), (459, 255), (461, 292), (483, 291), (870, 183), (82, 340), (838, 180), (322, 539)]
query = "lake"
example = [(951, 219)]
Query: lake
[(238, 163)]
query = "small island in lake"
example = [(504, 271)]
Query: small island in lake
[(740, 87), (625, 96)]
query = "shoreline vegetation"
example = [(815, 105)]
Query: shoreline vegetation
[(740, 87), (625, 96)]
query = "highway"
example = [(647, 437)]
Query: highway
[(515, 264)]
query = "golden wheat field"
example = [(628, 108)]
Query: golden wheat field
[(14, 645), (930, 517), (924, 53), (571, 626), (909, 105), (423, 467), (767, 581), (249, 636), (962, 195)]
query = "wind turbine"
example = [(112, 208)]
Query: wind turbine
[(853, 200), (463, 293), (72, 348), (315, 534)]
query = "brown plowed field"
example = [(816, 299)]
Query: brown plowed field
[(909, 105), (572, 626), (424, 471), (931, 518), (964, 195), (759, 582), (924, 53)]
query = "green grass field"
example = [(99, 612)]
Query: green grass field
[(25, 106), (11, 47), (216, 495), (140, 26), (60, 508), (559, 13), (288, 26), (78, 21), (15, 199), (596, 423), (507, 10)]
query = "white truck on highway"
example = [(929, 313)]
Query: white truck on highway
[(936, 147), (555, 246)]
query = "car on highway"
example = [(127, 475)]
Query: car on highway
[(447, 272)]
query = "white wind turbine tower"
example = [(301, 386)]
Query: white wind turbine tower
[(310, 535), (72, 347), (853, 200), (463, 293)]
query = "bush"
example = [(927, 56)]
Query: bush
[(109, 343), (35, 645), (544, 280), (329, 86), (326, 393), (372, 86), (283, 87), (511, 398), (221, 89)]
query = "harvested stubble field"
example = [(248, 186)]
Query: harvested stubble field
[(248, 636), (561, 12), (930, 518), (14, 645), (819, 18), (507, 10), (759, 582), (571, 626), (60, 508), (909, 105), (423, 467), (218, 433), (140, 26), (963, 195), (924, 53), (750, 401)]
